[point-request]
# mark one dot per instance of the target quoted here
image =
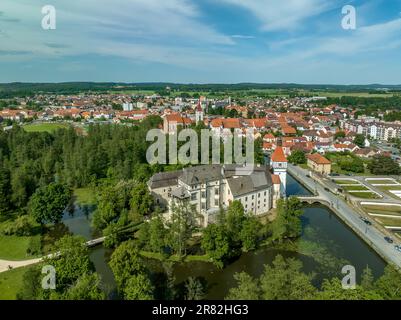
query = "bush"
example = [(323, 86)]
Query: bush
[(35, 246), (22, 226)]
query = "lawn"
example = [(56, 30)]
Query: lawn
[(382, 209), (340, 182), (390, 181), (15, 248), (389, 222), (364, 195), (387, 188), (356, 188), (45, 127), (85, 196), (11, 283)]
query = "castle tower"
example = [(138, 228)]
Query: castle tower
[(279, 163), (199, 113)]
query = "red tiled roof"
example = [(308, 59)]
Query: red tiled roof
[(318, 159), (278, 155)]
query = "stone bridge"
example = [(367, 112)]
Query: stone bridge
[(315, 199)]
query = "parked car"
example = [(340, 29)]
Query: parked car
[(389, 240), (398, 248), (366, 221)]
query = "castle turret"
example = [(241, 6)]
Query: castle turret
[(279, 164), (199, 113)]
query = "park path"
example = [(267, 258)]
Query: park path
[(6, 264)]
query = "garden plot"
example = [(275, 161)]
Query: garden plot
[(382, 182), (346, 182)]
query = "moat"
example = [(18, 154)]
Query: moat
[(325, 246)]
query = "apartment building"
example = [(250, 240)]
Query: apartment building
[(377, 130)]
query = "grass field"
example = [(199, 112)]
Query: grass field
[(341, 182), (11, 283), (364, 195), (353, 94), (389, 222), (390, 181), (382, 209), (356, 188), (85, 196), (386, 188), (15, 248), (45, 127)]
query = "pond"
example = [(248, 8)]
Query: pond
[(325, 246)]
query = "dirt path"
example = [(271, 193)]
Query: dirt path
[(4, 264)]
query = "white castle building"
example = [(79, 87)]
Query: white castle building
[(211, 187)]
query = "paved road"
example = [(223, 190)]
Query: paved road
[(371, 235)]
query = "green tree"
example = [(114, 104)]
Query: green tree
[(31, 288), (141, 201), (71, 261), (382, 165), (126, 262), (5, 187), (247, 288), (288, 221), (359, 140), (48, 203), (194, 289), (285, 281), (367, 279), (389, 284), (139, 287), (339, 135), (234, 218), (250, 233), (157, 234), (87, 287), (297, 157), (182, 224), (216, 243)]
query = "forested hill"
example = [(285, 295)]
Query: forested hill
[(23, 89)]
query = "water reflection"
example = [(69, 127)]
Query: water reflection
[(325, 246)]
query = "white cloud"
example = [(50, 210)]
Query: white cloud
[(96, 26), (278, 15)]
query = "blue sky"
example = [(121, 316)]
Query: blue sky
[(201, 41)]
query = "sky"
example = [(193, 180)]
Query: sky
[(201, 41)]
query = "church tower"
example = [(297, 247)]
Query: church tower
[(279, 163), (199, 113)]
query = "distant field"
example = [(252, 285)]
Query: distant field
[(45, 127), (353, 94)]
